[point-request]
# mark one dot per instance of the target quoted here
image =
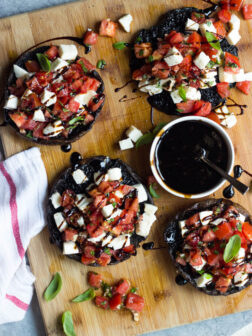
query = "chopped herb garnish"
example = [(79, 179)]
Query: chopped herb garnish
[(209, 23), (76, 119), (44, 62), (211, 64), (119, 45), (201, 272), (153, 191), (67, 323), (198, 16), (139, 39), (29, 134), (150, 58), (222, 245), (92, 253), (114, 204), (107, 251), (182, 93), (111, 220), (200, 243), (101, 64), (145, 139), (239, 227), (179, 110), (141, 52), (133, 290), (83, 67), (216, 252), (215, 229), (158, 128)]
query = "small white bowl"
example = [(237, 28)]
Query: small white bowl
[(206, 121)]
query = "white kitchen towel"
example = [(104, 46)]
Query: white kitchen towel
[(23, 188)]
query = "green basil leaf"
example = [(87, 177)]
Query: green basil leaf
[(119, 45), (158, 128), (133, 290), (145, 139), (153, 192), (53, 288), (83, 67), (139, 39), (232, 248), (29, 134), (182, 92), (74, 120), (67, 323), (44, 62), (89, 294), (239, 227), (101, 64), (212, 40)]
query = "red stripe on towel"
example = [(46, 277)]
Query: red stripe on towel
[(13, 208), (20, 304)]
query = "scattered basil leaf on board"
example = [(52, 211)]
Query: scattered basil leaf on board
[(158, 128), (182, 92), (145, 139), (89, 294), (53, 288), (101, 64), (212, 40), (232, 248), (67, 323), (153, 192), (44, 62), (119, 45)]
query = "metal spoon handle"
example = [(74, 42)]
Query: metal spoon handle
[(241, 187)]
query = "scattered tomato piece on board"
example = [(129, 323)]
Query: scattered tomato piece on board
[(247, 12), (107, 28)]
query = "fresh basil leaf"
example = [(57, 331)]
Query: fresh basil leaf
[(107, 251), (29, 134), (67, 323), (150, 58), (201, 272), (212, 40), (74, 120), (101, 64), (145, 139), (232, 248), (179, 110), (44, 62), (133, 290), (119, 45), (153, 191), (89, 294), (53, 288), (182, 92), (158, 128)]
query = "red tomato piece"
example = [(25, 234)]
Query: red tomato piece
[(90, 84), (247, 12), (67, 198), (203, 110), (213, 116), (104, 259), (134, 302), (144, 70), (243, 239), (102, 302), (247, 230), (29, 124), (223, 89), (94, 105), (73, 105), (231, 4), (142, 50), (198, 17), (222, 284), (88, 119), (90, 37), (213, 259), (107, 28), (69, 234), (181, 261), (38, 130), (195, 258), (87, 65), (224, 15), (248, 268), (94, 279), (224, 231), (243, 86), (160, 69), (129, 249), (185, 107), (34, 85), (89, 251), (32, 66), (122, 287), (176, 38), (44, 78), (232, 63), (115, 302), (194, 40), (220, 29), (76, 85), (208, 236), (193, 220), (87, 261), (18, 118), (52, 53)]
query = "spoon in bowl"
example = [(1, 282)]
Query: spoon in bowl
[(201, 155)]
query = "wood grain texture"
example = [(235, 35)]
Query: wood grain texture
[(167, 304)]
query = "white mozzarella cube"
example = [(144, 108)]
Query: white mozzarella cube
[(218, 221), (205, 217), (233, 37), (168, 83), (144, 224), (141, 193), (192, 93), (99, 177), (199, 268), (183, 228), (80, 221), (152, 89), (207, 26), (47, 97), (114, 174), (27, 93), (176, 97), (56, 200), (134, 133), (20, 72), (173, 57), (125, 22), (58, 79), (229, 121), (107, 210), (97, 239), (53, 129), (120, 242), (79, 176), (248, 76), (70, 248), (119, 194), (204, 279), (38, 115), (239, 77), (201, 60), (11, 103), (241, 218), (84, 98), (240, 279), (126, 144), (239, 258), (68, 52), (107, 240), (150, 209), (116, 213), (222, 112), (224, 76), (58, 64), (191, 25), (60, 221), (82, 202), (235, 22)]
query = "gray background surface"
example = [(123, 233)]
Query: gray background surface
[(32, 325)]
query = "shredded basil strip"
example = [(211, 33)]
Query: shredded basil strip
[(67, 323), (182, 93), (153, 192), (53, 288), (83, 66), (74, 120), (232, 248), (158, 128), (133, 290), (44, 62), (89, 294), (145, 139), (212, 40), (119, 45), (29, 134)]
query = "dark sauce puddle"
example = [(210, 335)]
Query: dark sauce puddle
[(66, 148), (75, 158)]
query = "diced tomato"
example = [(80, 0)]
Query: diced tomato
[(32, 66), (67, 198), (193, 220), (224, 231), (127, 218), (194, 40), (181, 261), (99, 201), (223, 89), (102, 302), (94, 105), (73, 105), (131, 204), (231, 4), (94, 279), (243, 239), (69, 234), (208, 236), (185, 107), (19, 89), (107, 28), (38, 130), (247, 230), (76, 85), (248, 268), (230, 212), (247, 12), (89, 251), (144, 70), (232, 63), (115, 301), (222, 284), (243, 86), (202, 108), (19, 118), (88, 118), (160, 69), (29, 124), (90, 84), (220, 29), (224, 15), (186, 63), (142, 50), (213, 259), (34, 85), (87, 261), (126, 189), (44, 78), (213, 116), (105, 187), (198, 17), (175, 38), (134, 302), (195, 258), (104, 259), (90, 37), (84, 62), (129, 249), (122, 287), (193, 239), (52, 53)]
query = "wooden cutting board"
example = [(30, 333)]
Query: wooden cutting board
[(167, 304)]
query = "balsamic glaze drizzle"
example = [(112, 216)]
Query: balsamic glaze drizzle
[(152, 116), (150, 246), (125, 99), (124, 85), (75, 158), (228, 192), (66, 148)]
